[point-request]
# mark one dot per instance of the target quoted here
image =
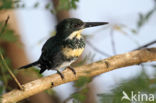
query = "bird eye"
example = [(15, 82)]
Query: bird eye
[(76, 25)]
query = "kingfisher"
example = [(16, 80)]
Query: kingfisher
[(61, 50)]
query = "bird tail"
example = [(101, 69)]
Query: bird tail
[(29, 65)]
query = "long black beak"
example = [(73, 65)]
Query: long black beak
[(92, 24)]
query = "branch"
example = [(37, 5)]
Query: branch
[(112, 40), (96, 68), (146, 45)]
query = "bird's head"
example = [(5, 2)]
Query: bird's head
[(73, 26)]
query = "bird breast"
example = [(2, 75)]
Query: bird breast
[(70, 52), (73, 46)]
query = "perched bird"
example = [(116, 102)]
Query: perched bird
[(65, 47)]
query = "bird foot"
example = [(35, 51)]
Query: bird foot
[(62, 76), (72, 70)]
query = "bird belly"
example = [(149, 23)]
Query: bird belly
[(71, 53), (65, 64)]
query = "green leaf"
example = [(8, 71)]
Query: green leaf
[(149, 14), (73, 3), (33, 69), (134, 31), (67, 4), (8, 36), (82, 81), (2, 50), (51, 92), (53, 11), (6, 4), (36, 4), (47, 6), (1, 89), (78, 96), (84, 91), (141, 20)]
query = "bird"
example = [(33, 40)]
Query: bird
[(61, 50)]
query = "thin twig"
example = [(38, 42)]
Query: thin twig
[(10, 72), (131, 38), (97, 50), (146, 45), (3, 61), (112, 40), (5, 25)]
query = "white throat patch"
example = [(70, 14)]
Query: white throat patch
[(76, 34)]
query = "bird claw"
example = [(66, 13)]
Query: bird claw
[(72, 70), (62, 76)]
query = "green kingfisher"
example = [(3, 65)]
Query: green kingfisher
[(65, 47)]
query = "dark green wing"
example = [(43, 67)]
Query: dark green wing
[(51, 53), (51, 46)]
